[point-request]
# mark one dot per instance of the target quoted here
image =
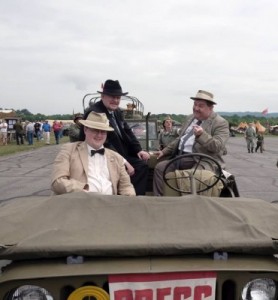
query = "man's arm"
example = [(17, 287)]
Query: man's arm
[(125, 187)]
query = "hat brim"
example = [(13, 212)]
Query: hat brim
[(96, 125), (112, 94), (194, 98)]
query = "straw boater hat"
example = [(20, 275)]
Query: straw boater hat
[(112, 88), (203, 95), (97, 121)]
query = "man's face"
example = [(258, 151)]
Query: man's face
[(94, 137), (201, 110), (111, 102)]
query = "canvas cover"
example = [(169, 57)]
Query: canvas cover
[(89, 224)]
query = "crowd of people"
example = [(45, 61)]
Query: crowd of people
[(28, 131)]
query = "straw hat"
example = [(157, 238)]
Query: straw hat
[(97, 121), (204, 95)]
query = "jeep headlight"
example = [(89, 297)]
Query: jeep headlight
[(259, 289), (31, 292)]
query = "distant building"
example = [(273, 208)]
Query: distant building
[(10, 117)]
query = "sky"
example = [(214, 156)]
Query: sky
[(54, 52)]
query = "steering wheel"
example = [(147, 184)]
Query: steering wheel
[(198, 158)]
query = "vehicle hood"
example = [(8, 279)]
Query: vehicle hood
[(90, 224)]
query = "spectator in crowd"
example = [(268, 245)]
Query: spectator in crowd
[(37, 127), (74, 129), (30, 132), (56, 129), (168, 134), (46, 128), (204, 131), (19, 131), (61, 129), (250, 136), (122, 139), (88, 166), (4, 132)]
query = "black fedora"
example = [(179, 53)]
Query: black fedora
[(112, 88)]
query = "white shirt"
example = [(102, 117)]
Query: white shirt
[(30, 127), (98, 174), (4, 127), (189, 143)]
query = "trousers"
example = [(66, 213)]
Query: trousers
[(158, 182), (140, 177)]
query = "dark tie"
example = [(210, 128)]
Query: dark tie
[(189, 134), (99, 151), (115, 125)]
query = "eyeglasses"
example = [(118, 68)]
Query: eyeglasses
[(96, 131)]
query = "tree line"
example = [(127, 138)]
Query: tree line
[(234, 120), (25, 114)]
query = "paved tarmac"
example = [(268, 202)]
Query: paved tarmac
[(256, 173), (28, 173)]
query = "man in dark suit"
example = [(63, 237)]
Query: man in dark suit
[(122, 139)]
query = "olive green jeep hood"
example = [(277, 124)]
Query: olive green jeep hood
[(90, 224)]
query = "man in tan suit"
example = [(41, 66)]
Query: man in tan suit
[(88, 166)]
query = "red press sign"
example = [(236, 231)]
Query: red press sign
[(163, 286)]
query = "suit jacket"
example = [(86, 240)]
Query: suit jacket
[(128, 145), (211, 142), (70, 170)]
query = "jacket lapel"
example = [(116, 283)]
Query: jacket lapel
[(83, 154)]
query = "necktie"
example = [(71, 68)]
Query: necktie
[(99, 151), (189, 134), (115, 125)]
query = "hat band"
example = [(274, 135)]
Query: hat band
[(98, 124)]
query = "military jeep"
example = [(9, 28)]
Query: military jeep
[(90, 246)]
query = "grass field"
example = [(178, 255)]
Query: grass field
[(12, 147)]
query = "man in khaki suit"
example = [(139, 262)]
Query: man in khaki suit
[(203, 132), (88, 166)]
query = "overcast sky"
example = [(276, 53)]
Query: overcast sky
[(53, 52)]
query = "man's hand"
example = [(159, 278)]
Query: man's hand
[(130, 170), (197, 130), (158, 154), (143, 155)]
